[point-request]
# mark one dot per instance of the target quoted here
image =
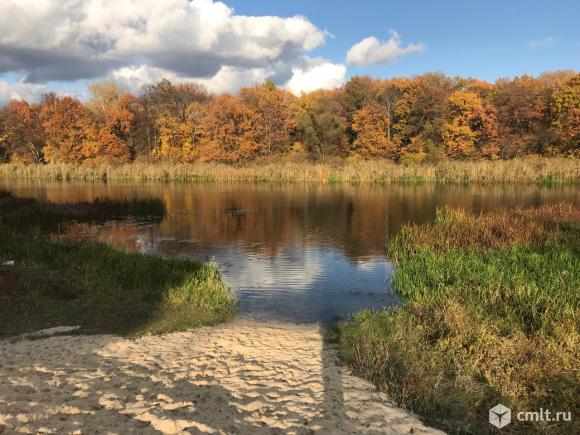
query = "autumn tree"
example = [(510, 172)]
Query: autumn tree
[(194, 133), (167, 107), (70, 129), (428, 118), (565, 116), (321, 123), (389, 94), (275, 122), (114, 120), (358, 92), (174, 99), (470, 129), (522, 108), (371, 125), (230, 132), (4, 155), (178, 137), (421, 111), (23, 135), (171, 132)]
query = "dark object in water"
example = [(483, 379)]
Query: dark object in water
[(235, 210)]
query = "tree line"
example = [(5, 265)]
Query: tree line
[(431, 117)]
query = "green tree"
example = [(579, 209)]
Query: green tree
[(321, 123)]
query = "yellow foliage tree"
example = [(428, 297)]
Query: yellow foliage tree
[(371, 125), (470, 129), (275, 121), (194, 132), (565, 110)]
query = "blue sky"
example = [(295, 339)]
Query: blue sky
[(483, 39), (301, 45)]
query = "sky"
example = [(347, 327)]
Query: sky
[(63, 45)]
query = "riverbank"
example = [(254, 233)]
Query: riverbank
[(490, 315), (523, 170), (48, 282), (241, 377)]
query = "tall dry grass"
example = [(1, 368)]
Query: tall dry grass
[(523, 170)]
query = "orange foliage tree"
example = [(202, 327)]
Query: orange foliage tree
[(23, 135), (114, 119), (522, 107), (230, 132), (70, 129)]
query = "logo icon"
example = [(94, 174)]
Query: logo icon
[(500, 416)]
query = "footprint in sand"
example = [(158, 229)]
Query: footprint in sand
[(243, 377)]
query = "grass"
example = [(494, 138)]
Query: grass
[(524, 170), (89, 284), (489, 315)]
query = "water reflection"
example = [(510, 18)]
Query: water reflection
[(299, 252)]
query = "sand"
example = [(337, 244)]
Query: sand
[(242, 377)]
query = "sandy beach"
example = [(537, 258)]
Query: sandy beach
[(246, 376)]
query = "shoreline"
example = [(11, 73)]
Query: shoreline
[(489, 315)]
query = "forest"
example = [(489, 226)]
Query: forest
[(429, 118)]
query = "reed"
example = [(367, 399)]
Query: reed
[(524, 170), (489, 315)]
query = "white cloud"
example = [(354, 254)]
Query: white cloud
[(541, 43), (20, 91), (134, 77), (316, 74), (371, 51), (230, 79), (308, 74), (137, 41)]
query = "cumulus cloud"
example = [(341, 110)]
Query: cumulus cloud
[(371, 51), (307, 75), (315, 74), (135, 77), (541, 43), (227, 79), (20, 91), (141, 40)]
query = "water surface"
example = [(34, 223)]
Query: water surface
[(299, 252)]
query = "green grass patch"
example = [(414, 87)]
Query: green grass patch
[(335, 179), (489, 315), (412, 179)]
